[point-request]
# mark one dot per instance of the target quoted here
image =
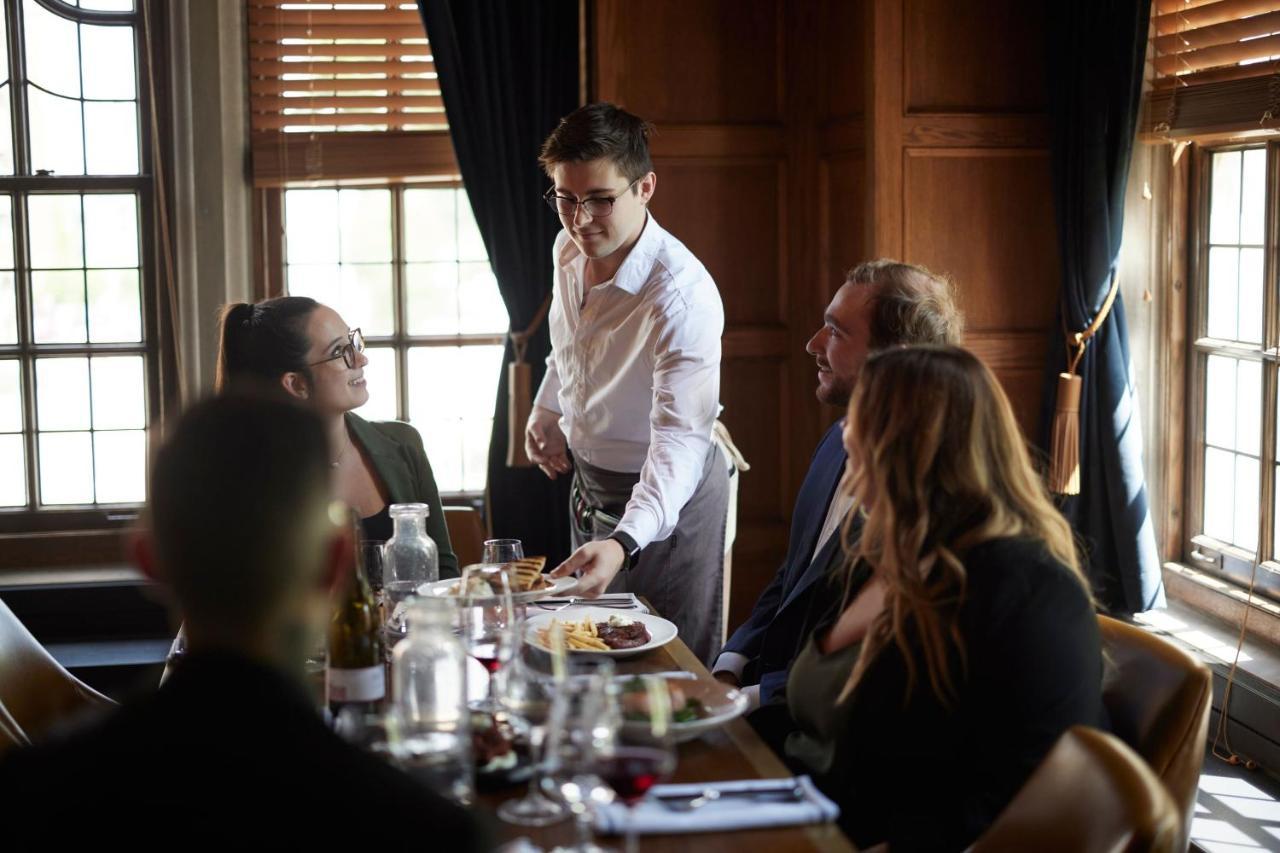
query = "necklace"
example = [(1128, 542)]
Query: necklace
[(335, 463)]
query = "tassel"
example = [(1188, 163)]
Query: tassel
[(1064, 449), (519, 405)]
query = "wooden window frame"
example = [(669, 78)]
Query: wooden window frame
[(87, 534)]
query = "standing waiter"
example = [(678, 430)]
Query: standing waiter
[(633, 381)]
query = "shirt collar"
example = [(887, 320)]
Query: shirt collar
[(635, 268)]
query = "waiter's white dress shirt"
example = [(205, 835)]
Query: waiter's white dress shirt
[(635, 373)]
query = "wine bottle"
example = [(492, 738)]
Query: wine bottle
[(357, 672)]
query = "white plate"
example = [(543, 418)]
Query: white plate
[(721, 703), (661, 631), (559, 586)]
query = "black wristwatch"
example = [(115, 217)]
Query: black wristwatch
[(630, 550)]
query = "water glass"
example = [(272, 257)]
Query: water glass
[(526, 695), (502, 551), (583, 726)]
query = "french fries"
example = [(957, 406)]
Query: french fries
[(577, 635)]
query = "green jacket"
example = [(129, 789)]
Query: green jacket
[(396, 452)]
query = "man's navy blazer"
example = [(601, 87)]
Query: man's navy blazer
[(773, 634)]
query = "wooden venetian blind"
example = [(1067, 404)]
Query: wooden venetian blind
[(343, 90), (1211, 62)]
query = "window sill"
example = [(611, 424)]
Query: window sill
[(71, 576), (1224, 600)]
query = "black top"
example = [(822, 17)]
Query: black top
[(906, 768), (227, 751), (377, 527)]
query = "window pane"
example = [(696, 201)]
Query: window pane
[(480, 364), (380, 380), (108, 54), (55, 231), (119, 388), (8, 310), (10, 396), (470, 243), (458, 435), (319, 281), (430, 225), (6, 232), (120, 466), (443, 440), (366, 300), (1224, 201), (13, 457), (6, 131), (1220, 401), (57, 141), (479, 304), (1249, 397), (1250, 326), (107, 5), (111, 230), (115, 310), (1253, 204), (57, 307), (62, 393), (52, 57), (1223, 292), (1275, 517), (311, 226), (1219, 494), (1246, 504), (113, 127), (66, 468), (365, 225), (431, 298)]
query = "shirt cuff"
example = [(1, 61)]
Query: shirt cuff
[(752, 692), (732, 662)]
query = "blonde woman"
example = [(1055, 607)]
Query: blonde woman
[(966, 642)]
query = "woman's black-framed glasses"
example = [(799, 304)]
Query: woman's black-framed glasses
[(596, 207), (354, 344)]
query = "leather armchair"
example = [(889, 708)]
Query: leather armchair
[(1091, 794), (1159, 697), (36, 692)]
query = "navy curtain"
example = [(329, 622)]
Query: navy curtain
[(508, 73), (1096, 53)]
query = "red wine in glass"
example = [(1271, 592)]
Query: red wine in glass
[(488, 656), (632, 771)]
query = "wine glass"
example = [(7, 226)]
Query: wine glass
[(631, 769), (489, 628), (583, 725), (526, 695), (502, 551)]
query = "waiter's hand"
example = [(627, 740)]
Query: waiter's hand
[(544, 443), (598, 562)]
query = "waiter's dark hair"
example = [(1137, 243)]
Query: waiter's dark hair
[(261, 342), (600, 131), (238, 506)]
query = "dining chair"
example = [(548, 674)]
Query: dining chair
[(1091, 794), (466, 533), (36, 692), (1158, 697)]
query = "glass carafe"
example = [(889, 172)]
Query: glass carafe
[(409, 559)]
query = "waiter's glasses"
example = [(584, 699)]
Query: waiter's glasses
[(596, 207), (347, 352)]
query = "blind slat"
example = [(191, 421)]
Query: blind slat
[(274, 68), (1219, 34), (272, 104), (1216, 75), (392, 85), (276, 121), (354, 17), (391, 53), (271, 33), (1226, 54), (1208, 14)]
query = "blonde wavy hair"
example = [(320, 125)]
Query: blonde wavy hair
[(938, 465)]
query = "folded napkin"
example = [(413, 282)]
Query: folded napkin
[(727, 813)]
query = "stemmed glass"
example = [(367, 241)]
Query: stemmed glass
[(489, 628), (502, 550), (632, 769), (583, 726), (527, 694)]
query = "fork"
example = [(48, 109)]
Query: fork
[(558, 604), (692, 802)]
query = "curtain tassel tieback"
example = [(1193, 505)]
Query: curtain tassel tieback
[(1064, 439), (520, 389)]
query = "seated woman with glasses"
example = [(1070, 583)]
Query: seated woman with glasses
[(306, 350), (966, 641)]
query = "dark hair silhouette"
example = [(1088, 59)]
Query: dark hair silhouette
[(260, 342)]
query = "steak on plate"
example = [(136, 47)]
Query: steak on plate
[(623, 636)]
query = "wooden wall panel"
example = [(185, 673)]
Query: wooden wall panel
[(844, 188), (984, 217), (716, 207), (962, 59), (710, 61), (754, 391)]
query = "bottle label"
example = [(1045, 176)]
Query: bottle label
[(357, 685)]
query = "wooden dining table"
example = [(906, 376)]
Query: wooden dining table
[(733, 752)]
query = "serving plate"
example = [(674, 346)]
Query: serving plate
[(661, 631), (721, 703), (442, 589)]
